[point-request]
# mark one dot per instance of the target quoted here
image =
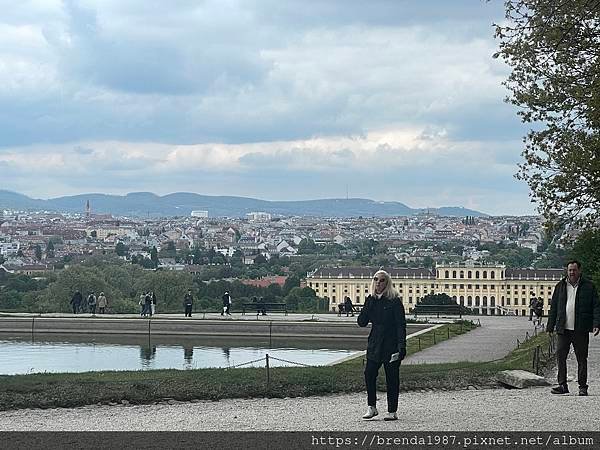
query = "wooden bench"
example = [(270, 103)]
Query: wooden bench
[(453, 310), (355, 308), (267, 307)]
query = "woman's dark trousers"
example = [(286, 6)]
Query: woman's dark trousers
[(392, 380)]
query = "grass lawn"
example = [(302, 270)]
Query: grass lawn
[(77, 389)]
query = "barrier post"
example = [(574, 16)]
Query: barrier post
[(268, 374)]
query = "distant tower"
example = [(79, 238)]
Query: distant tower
[(88, 211)]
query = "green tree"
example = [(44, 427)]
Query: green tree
[(154, 257), (38, 252), (50, 249), (121, 249), (307, 246), (587, 250), (260, 259), (437, 299), (291, 282), (553, 49)]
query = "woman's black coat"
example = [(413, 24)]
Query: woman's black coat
[(388, 329)]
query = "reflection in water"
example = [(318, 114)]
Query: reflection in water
[(147, 354), (82, 353), (188, 356), (227, 353)]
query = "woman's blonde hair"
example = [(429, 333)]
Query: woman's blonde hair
[(389, 291)]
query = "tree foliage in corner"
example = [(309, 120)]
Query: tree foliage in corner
[(553, 48)]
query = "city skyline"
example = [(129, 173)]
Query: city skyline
[(390, 101)]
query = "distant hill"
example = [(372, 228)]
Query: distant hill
[(182, 203)]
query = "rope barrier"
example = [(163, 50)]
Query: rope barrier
[(290, 362), (264, 359), (245, 363)]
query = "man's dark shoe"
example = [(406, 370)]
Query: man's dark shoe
[(560, 389), (583, 392)]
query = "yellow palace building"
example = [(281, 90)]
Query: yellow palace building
[(488, 289)]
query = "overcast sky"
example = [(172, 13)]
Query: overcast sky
[(273, 99)]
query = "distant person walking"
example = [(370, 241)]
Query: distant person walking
[(188, 302), (142, 304), (102, 303), (262, 309), (387, 342), (348, 306), (76, 301), (226, 303), (91, 303), (574, 314), (532, 303), (539, 312), (148, 304), (152, 303)]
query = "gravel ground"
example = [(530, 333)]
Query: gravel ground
[(469, 410)]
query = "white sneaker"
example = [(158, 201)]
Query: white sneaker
[(391, 416), (371, 412)]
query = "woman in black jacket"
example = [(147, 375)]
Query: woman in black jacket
[(386, 344)]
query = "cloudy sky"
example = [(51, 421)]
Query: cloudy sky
[(274, 99)]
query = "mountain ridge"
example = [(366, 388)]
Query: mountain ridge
[(142, 204)]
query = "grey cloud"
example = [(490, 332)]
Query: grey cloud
[(284, 159), (83, 150), (157, 56)]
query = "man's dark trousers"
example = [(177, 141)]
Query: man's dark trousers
[(580, 341)]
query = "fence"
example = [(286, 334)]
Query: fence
[(541, 354), (469, 325), (267, 360)]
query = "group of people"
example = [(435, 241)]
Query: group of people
[(536, 306), (147, 304), (91, 303), (346, 306), (574, 314)]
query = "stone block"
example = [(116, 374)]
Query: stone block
[(521, 379)]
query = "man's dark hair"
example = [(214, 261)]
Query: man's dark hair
[(574, 261)]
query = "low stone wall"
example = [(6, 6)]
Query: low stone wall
[(192, 327)]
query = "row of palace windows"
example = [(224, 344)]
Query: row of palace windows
[(492, 287), (483, 301), (461, 274)]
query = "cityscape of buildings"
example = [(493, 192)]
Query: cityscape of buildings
[(36, 242)]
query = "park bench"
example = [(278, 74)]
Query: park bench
[(355, 308), (453, 310), (267, 307)]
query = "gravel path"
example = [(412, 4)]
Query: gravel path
[(469, 410)]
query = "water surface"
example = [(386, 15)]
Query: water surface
[(84, 353)]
